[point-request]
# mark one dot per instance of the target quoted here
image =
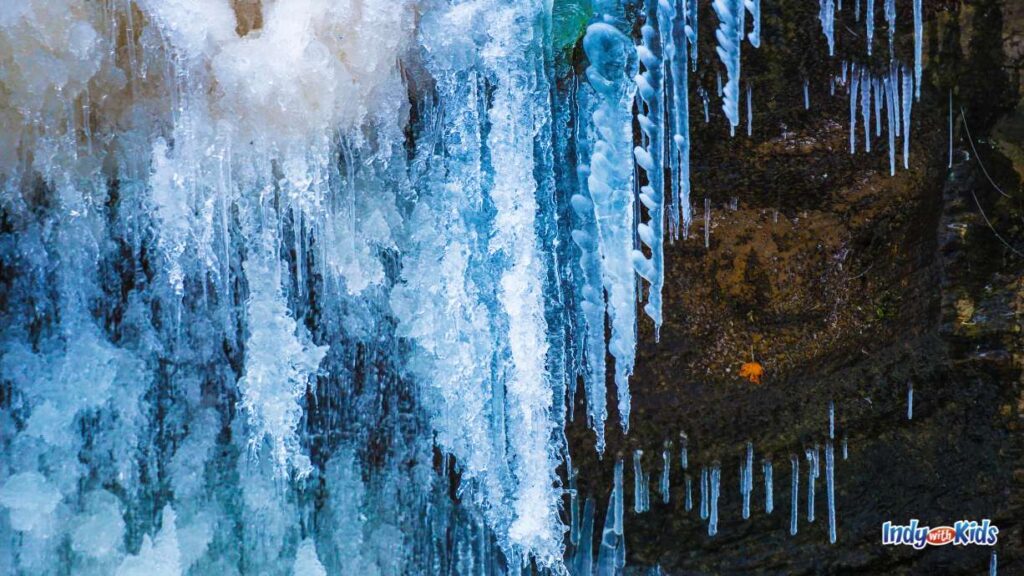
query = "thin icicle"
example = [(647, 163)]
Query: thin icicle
[(715, 480), (890, 20), (831, 491), (666, 459), (890, 102), (918, 41), (707, 223), (807, 96), (910, 400), (865, 107), (811, 476), (769, 489), (908, 103), (638, 482), (680, 214), (688, 504), (854, 84), (794, 498), (750, 112), (693, 28), (747, 479), (869, 21), (993, 565), (703, 493), (831, 419), (846, 452)]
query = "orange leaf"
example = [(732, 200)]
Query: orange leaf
[(752, 371)]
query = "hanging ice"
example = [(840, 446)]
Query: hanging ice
[(918, 41), (869, 23), (610, 183), (794, 495), (866, 84), (769, 489), (747, 479), (714, 481), (730, 36), (890, 20), (831, 491), (812, 475), (908, 102), (910, 401), (827, 16), (650, 157), (611, 556), (754, 7), (854, 84), (807, 96), (639, 482), (666, 471)]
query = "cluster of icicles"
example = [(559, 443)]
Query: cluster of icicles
[(280, 235)]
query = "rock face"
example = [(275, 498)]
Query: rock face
[(848, 286)]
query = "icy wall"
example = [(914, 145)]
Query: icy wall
[(307, 286)]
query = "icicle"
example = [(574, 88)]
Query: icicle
[(703, 493), (854, 84), (718, 83), (769, 490), (650, 159), (831, 491), (750, 112), (807, 96), (611, 555), (666, 458), (716, 476), (688, 504), (908, 102), (918, 40), (846, 452), (754, 7), (827, 15), (831, 419), (890, 20), (865, 107), (638, 482), (684, 455), (844, 71), (950, 128), (794, 498), (730, 37), (583, 562), (747, 479), (811, 476), (910, 400), (680, 215), (856, 10), (704, 98), (610, 183), (890, 115), (692, 28), (993, 565), (832, 86), (869, 20)]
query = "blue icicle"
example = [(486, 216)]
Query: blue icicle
[(730, 37), (831, 491), (794, 498), (769, 490), (754, 7), (853, 112), (918, 41), (910, 401), (716, 476)]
